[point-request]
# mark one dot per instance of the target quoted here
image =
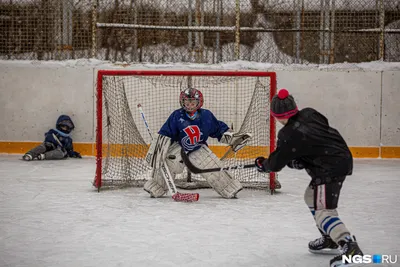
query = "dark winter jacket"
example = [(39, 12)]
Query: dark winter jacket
[(308, 138), (62, 140)]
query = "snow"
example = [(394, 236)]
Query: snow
[(232, 65), (50, 215)]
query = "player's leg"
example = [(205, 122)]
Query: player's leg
[(156, 185), (156, 154), (222, 182), (52, 154), (326, 197), (37, 151), (324, 244)]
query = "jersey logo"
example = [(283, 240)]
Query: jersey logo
[(193, 132), (192, 138)]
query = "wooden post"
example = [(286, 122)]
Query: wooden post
[(237, 32)]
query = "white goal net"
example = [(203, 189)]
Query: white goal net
[(241, 99)]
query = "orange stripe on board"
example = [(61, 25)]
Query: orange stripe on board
[(365, 152), (17, 147), (86, 149), (135, 150), (253, 151), (390, 152)]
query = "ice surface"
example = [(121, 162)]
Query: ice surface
[(50, 215)]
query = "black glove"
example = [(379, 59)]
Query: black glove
[(259, 164), (75, 154), (296, 164)]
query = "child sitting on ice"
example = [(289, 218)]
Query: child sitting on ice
[(57, 143)]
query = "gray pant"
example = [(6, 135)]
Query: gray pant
[(49, 150)]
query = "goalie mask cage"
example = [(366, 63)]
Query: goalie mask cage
[(241, 99)]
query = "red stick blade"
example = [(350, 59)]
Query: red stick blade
[(186, 197)]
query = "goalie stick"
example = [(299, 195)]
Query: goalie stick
[(180, 197), (196, 170), (144, 120)]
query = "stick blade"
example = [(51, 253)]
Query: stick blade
[(186, 197)]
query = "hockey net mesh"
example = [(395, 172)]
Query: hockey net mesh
[(242, 102)]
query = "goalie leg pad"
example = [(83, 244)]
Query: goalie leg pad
[(222, 182), (174, 159), (156, 186), (158, 150)]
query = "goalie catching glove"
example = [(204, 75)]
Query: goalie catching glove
[(236, 140)]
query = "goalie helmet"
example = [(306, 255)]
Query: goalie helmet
[(191, 100), (65, 124)]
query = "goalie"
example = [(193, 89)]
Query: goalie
[(188, 129)]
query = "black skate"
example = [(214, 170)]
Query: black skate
[(349, 248), (323, 245)]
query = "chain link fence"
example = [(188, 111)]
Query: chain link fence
[(201, 31)]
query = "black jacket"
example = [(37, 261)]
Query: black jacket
[(308, 138)]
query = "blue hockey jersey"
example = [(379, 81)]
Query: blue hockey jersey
[(192, 133)]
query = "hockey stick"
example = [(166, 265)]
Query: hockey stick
[(58, 141), (230, 150), (181, 197), (144, 119), (196, 170)]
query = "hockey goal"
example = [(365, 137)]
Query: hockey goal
[(239, 98)]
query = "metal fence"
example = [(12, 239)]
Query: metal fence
[(202, 31)]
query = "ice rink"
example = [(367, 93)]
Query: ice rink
[(51, 216)]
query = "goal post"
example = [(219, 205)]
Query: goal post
[(241, 99)]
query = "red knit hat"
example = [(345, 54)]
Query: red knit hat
[(283, 105)]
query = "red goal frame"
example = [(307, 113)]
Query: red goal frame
[(99, 102)]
